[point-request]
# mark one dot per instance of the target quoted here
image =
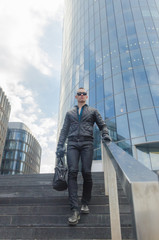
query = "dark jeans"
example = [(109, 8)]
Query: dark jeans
[(75, 150)]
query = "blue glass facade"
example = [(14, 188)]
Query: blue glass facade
[(111, 48), (5, 109), (22, 152)]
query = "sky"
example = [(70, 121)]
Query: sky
[(30, 67)]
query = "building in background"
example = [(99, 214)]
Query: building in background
[(22, 152), (4, 118), (111, 48)]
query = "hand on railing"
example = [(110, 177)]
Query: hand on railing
[(106, 139)]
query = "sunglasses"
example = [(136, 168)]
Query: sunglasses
[(81, 93)]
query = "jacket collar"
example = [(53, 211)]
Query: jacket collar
[(83, 105)]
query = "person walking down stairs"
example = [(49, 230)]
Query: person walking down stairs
[(78, 128)]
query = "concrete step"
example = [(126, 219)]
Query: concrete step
[(31, 209), (46, 191), (53, 233), (56, 200), (50, 201), (41, 177), (54, 210), (87, 220)]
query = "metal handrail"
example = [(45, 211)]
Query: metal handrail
[(140, 186)]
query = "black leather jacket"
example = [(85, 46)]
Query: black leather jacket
[(83, 129)]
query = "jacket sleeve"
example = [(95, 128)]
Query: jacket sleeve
[(101, 125), (64, 131)]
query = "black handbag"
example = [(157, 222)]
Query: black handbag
[(59, 178)]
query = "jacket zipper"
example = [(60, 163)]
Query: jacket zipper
[(79, 121)]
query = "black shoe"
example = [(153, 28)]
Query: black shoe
[(84, 209), (73, 220)]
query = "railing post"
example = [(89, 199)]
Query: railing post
[(105, 168), (145, 198), (142, 189), (113, 196)]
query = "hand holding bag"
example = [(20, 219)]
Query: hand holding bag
[(59, 179)]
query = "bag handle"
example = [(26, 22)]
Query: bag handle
[(60, 161)]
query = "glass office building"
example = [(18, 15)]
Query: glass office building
[(4, 118), (22, 152), (111, 48)]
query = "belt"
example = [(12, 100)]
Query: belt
[(80, 138)]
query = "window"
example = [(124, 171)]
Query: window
[(138, 140), (143, 40), (126, 4), (105, 42), (157, 111), (147, 57), (140, 76), (136, 58), (100, 91), (18, 135), (92, 79), (108, 89), (91, 34), (7, 164), (19, 146), (131, 100), (111, 125), (133, 42), (125, 61), (143, 156), (146, 12), (150, 121), (20, 156), (12, 144), (98, 58), (99, 74), (21, 167), (144, 97), (156, 54), (106, 69), (140, 28), (155, 94), (130, 28), (153, 138), (126, 146), (97, 27), (134, 4), (9, 154), (152, 74), (98, 44), (17, 168), (154, 13), (122, 37), (128, 79), (118, 83), (136, 126), (122, 127), (100, 107), (128, 16), (109, 107), (92, 95), (86, 59), (154, 155), (115, 63), (120, 104), (86, 82)]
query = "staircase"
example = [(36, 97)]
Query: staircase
[(31, 209)]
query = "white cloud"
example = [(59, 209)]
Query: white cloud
[(22, 24)]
